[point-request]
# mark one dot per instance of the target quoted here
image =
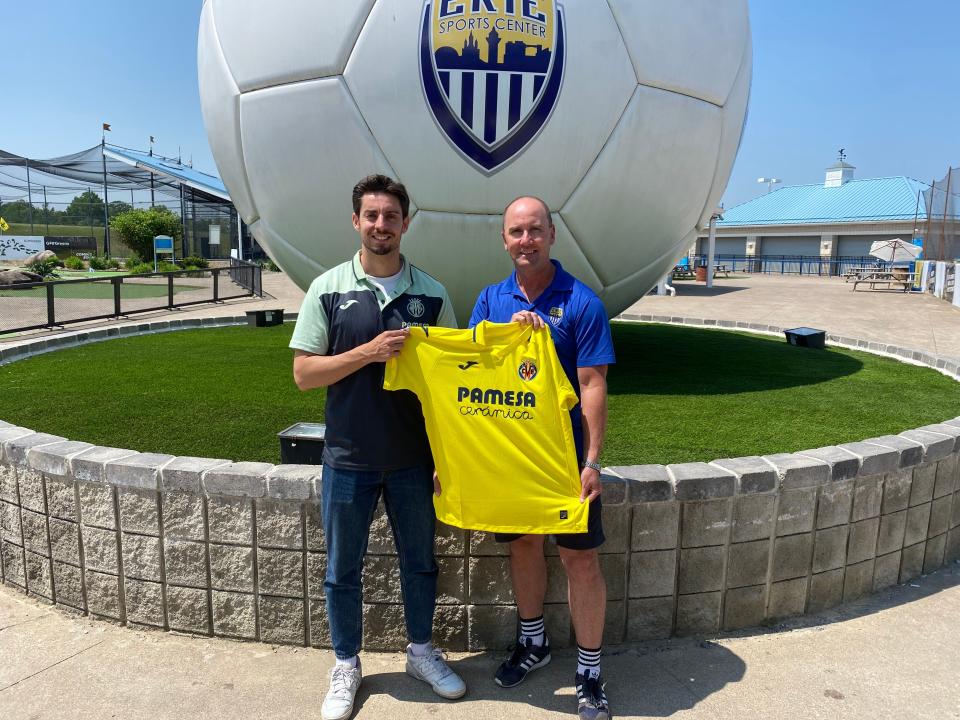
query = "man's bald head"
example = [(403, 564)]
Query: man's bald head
[(534, 198)]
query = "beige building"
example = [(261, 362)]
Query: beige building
[(836, 220)]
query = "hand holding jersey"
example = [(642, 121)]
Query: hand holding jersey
[(589, 378), (496, 403)]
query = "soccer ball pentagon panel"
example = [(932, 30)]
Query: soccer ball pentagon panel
[(623, 115)]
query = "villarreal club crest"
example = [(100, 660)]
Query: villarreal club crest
[(527, 370), (491, 73)]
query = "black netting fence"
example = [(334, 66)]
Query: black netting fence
[(69, 202), (941, 230)]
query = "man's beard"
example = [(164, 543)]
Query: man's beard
[(380, 250)]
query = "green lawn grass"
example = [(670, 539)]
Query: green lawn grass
[(87, 274), (681, 394), (676, 394)]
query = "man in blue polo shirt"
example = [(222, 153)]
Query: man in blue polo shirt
[(540, 292)]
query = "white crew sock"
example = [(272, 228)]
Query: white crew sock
[(532, 630), (588, 661), (350, 662), (419, 649)]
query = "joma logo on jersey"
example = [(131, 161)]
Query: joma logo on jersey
[(491, 72), (492, 396)]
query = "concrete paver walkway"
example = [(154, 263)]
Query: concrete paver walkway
[(894, 655)]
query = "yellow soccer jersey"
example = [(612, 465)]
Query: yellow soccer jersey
[(496, 403)]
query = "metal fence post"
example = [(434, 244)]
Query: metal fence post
[(170, 292), (51, 315), (216, 284), (116, 294)]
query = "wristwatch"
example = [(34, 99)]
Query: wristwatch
[(592, 465)]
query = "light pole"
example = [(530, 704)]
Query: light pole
[(771, 181), (711, 243)]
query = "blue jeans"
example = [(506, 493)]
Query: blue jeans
[(349, 500)]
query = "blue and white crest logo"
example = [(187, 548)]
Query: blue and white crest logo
[(415, 307), (491, 72)]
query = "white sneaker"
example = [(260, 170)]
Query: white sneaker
[(344, 681), (433, 670)]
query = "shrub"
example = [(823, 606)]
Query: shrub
[(102, 262), (44, 268), (164, 266), (74, 263), (132, 261), (137, 228), (268, 264), (140, 268), (195, 262)]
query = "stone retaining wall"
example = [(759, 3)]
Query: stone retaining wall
[(236, 549)]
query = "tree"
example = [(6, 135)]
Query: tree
[(18, 211), (137, 228), (85, 209), (118, 207)]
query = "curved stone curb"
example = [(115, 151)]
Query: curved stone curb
[(237, 549)]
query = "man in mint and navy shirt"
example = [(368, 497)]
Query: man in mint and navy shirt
[(354, 318), (540, 292)]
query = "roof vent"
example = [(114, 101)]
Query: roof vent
[(839, 173)]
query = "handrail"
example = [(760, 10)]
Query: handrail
[(241, 274)]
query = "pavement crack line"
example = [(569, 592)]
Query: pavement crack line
[(22, 622), (49, 667)]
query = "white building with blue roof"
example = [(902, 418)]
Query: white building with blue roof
[(838, 218)]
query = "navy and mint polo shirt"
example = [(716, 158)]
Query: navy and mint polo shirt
[(369, 428), (573, 312)]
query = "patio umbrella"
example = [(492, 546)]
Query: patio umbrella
[(894, 251)]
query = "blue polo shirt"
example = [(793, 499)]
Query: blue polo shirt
[(575, 315)]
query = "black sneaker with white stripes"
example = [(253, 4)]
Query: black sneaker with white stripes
[(591, 699), (526, 657)]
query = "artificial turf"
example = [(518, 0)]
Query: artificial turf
[(677, 394)]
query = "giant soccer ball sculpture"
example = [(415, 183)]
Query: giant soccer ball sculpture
[(623, 115)]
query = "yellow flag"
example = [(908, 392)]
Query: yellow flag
[(3, 225)]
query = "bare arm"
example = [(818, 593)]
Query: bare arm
[(315, 371), (593, 405)]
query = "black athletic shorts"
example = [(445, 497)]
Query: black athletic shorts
[(592, 538)]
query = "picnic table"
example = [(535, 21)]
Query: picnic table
[(884, 277), (682, 272), (855, 272)]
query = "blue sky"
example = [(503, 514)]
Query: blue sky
[(877, 77)]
